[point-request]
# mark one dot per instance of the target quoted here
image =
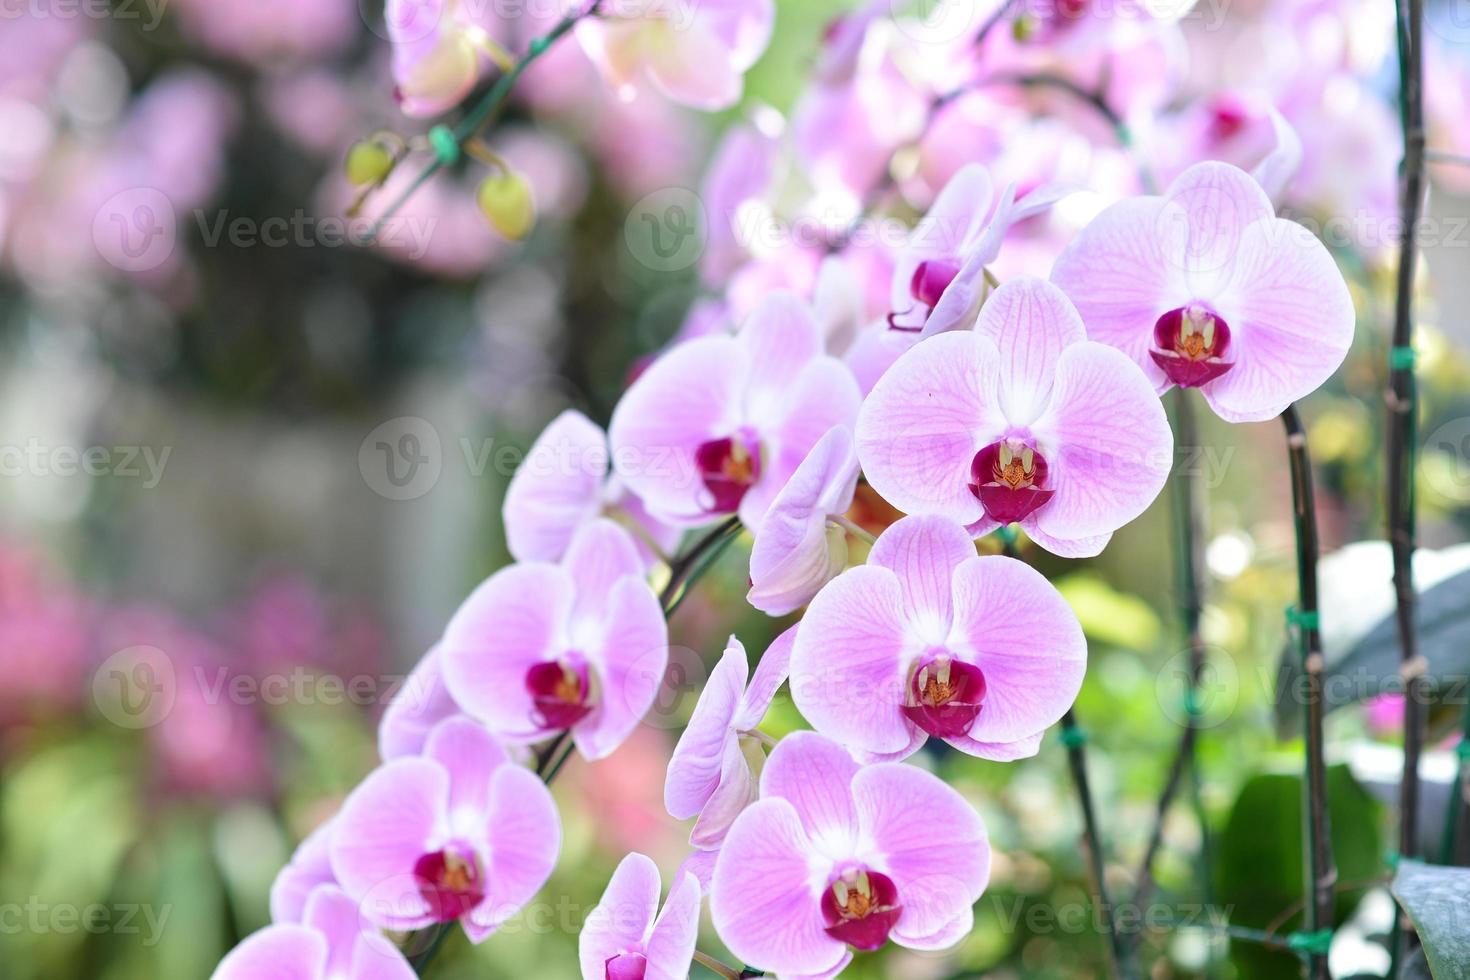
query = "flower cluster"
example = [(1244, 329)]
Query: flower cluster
[(966, 403)]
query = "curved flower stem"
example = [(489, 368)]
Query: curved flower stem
[(1191, 514), (1075, 740), (483, 111), (1321, 871), (722, 969), (853, 527), (689, 566), (1121, 130)]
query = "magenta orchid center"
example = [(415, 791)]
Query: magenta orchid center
[(561, 691), (729, 467), (1190, 345), (931, 279), (860, 908), (451, 881), (945, 696), (1009, 479), (626, 966)]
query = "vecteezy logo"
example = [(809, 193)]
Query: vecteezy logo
[(402, 458), (1213, 700), (665, 230), (135, 230), (1446, 461), (135, 688)]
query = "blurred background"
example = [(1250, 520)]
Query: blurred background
[(273, 461)]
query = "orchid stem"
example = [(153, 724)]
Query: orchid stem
[(854, 528), (1192, 572), (1321, 871), (1402, 399), (716, 967), (1075, 739), (689, 566)]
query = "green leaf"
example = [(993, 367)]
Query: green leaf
[(1438, 900), (1359, 633), (1260, 861)]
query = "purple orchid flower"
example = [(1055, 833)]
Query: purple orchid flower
[(1206, 288), (1021, 420), (931, 639), (310, 868), (711, 773), (438, 52), (719, 424), (330, 943), (837, 856), (460, 832), (539, 648), (627, 937), (564, 483), (939, 277), (695, 52), (798, 549), (415, 709)]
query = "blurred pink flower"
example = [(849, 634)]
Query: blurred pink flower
[(329, 943), (266, 31), (693, 51), (46, 632)]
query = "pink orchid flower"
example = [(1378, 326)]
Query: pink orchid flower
[(798, 549), (539, 648), (310, 868), (460, 832), (719, 424), (421, 703), (939, 277), (710, 774), (1206, 288), (438, 52), (835, 855), (330, 943), (854, 323), (931, 639), (627, 937), (564, 483), (696, 52), (1019, 421)]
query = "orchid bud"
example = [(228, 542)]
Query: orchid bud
[(369, 162), (505, 199)]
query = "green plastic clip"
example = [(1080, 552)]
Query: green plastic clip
[(1303, 619), (1317, 943), (1402, 358), (445, 144), (1074, 738)]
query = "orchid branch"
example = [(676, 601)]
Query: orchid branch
[(482, 112), (1322, 872), (1190, 507)]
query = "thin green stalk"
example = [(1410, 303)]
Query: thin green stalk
[(482, 112), (1189, 505), (1074, 738), (1321, 870), (1402, 437), (696, 561)]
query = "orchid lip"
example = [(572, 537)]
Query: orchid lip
[(1009, 479), (860, 908), (451, 881), (626, 966), (931, 279), (1191, 344), (945, 696), (729, 467), (560, 692)]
